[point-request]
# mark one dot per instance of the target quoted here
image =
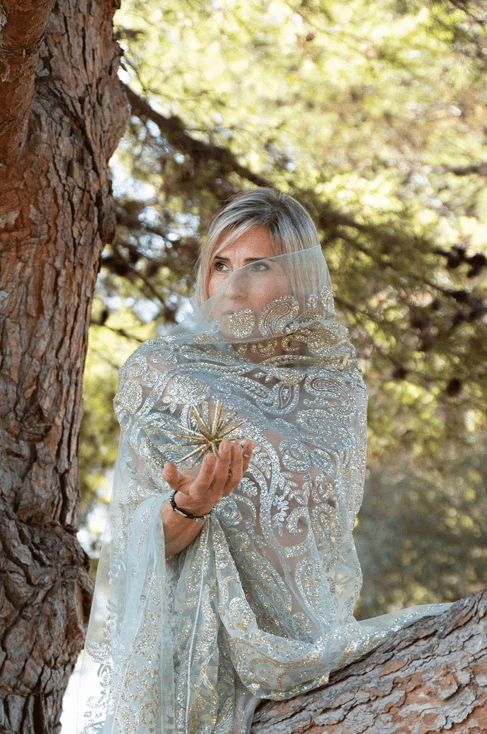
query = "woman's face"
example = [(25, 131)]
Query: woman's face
[(261, 281)]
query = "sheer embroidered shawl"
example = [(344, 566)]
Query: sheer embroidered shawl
[(261, 604)]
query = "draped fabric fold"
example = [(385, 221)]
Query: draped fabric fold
[(261, 604)]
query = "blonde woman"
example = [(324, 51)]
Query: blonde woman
[(229, 571)]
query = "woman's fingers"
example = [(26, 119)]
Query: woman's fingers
[(180, 480), (235, 470), (240, 460), (217, 476), (175, 478), (205, 475), (222, 468), (171, 475), (247, 455)]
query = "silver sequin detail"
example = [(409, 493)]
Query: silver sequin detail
[(277, 314), (326, 295), (242, 322)]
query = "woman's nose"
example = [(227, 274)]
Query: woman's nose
[(237, 284)]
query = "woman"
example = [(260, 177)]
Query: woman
[(229, 572)]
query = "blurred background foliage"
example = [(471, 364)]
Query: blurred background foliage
[(374, 116)]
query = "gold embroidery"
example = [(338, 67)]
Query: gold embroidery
[(209, 436), (241, 323), (262, 600), (277, 314)]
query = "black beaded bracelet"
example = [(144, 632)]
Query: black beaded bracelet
[(183, 513)]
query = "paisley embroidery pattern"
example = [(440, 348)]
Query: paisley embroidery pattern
[(241, 323), (277, 314), (261, 604)]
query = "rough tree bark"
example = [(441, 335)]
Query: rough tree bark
[(428, 678), (63, 112)]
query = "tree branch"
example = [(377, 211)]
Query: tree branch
[(429, 677), (329, 219), (479, 168), (173, 129)]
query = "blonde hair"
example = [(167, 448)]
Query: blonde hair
[(289, 225)]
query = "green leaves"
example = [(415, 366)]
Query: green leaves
[(373, 115)]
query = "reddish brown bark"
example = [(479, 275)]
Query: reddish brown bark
[(63, 112), (22, 27), (428, 678)]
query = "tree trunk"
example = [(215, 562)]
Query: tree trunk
[(63, 113), (430, 677)]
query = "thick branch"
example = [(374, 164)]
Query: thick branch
[(479, 168), (22, 26), (430, 677), (173, 129), (329, 219)]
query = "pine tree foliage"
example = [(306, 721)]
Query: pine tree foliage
[(374, 116)]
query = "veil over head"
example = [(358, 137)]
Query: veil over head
[(261, 604)]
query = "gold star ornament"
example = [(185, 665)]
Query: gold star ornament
[(208, 437)]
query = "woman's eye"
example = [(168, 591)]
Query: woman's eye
[(217, 266), (260, 267)]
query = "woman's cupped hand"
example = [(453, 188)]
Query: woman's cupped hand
[(217, 477)]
